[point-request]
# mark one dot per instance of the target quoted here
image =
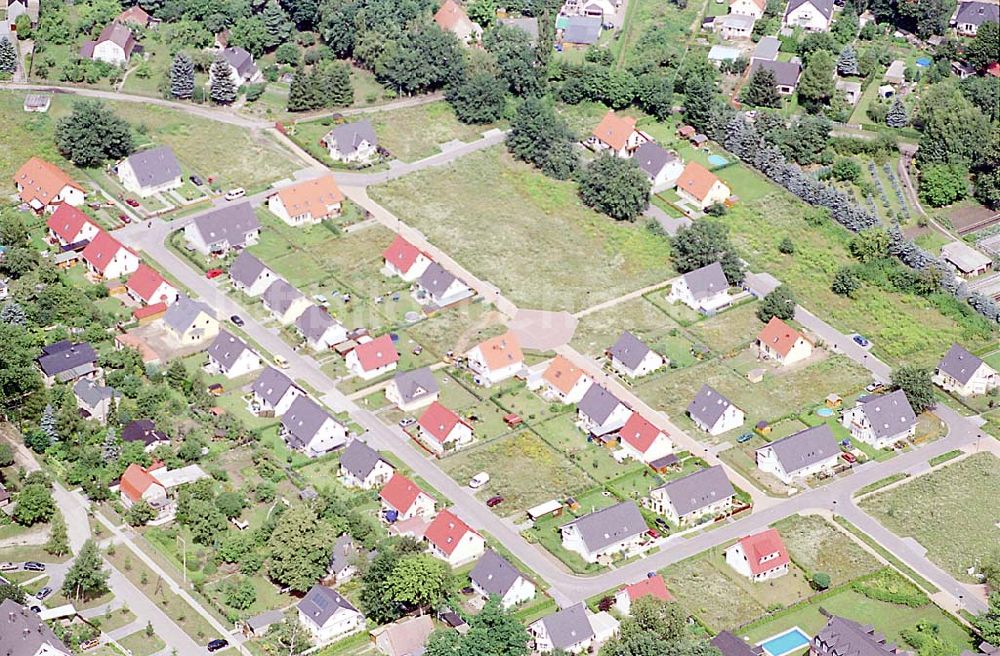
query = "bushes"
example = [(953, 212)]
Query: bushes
[(891, 588)]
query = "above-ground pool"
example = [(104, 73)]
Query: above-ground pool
[(824, 412), (785, 643), (717, 160), (923, 62)]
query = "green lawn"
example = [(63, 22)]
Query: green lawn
[(140, 644), (816, 545), (653, 25)]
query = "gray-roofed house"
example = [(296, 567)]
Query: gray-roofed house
[(308, 428), (612, 530), (705, 290), (965, 374), (731, 645), (581, 30), (249, 275), (354, 142), (149, 172), (966, 260), (17, 7), (114, 45), (662, 166), (272, 393), (767, 49), (23, 633), (600, 412), (328, 616), (705, 493), (881, 420), (65, 362), (714, 413), (363, 467), (734, 26), (405, 637), (786, 74), (439, 288), (344, 559), (844, 637), (93, 399), (718, 54), (230, 356), (145, 431), (242, 68), (319, 329), (810, 15), (493, 575), (190, 322), (971, 15), (527, 24), (218, 231), (414, 389), (809, 452), (284, 302), (258, 625), (630, 356), (568, 629)]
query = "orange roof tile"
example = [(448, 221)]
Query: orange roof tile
[(135, 481), (501, 351), (779, 336), (696, 180), (562, 374), (450, 14), (42, 181), (400, 492), (313, 197), (615, 130), (446, 531)]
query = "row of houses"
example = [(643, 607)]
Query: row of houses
[(434, 286)]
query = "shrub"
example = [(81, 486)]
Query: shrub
[(891, 588), (820, 580)]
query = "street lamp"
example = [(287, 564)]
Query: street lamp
[(184, 571)]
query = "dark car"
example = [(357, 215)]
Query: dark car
[(662, 523), (494, 501), (43, 593), (237, 320), (195, 180), (218, 644), (124, 218), (33, 566), (861, 341), (36, 609), (131, 202)]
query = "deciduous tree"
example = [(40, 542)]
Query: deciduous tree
[(34, 504), (916, 384), (478, 98), (616, 187), (58, 543), (702, 243), (541, 137), (779, 303), (87, 577), (943, 184), (299, 548), (93, 134)]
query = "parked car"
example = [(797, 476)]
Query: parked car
[(662, 523), (7, 566), (124, 218), (237, 320), (861, 341), (407, 421), (479, 480), (236, 194), (43, 593), (131, 202), (217, 644), (214, 273), (280, 362), (35, 609), (89, 644), (216, 389), (196, 181), (653, 533), (494, 501), (849, 457), (744, 438), (33, 566)]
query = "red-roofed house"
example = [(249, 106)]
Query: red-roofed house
[(759, 557), (69, 225), (137, 484), (701, 187), (372, 359), (402, 496), (405, 260), (564, 381), (651, 586), (643, 441), (779, 341), (147, 286), (617, 135), (442, 430), (451, 17), (44, 186), (496, 359), (452, 540), (107, 258), (114, 45), (752, 8), (134, 15)]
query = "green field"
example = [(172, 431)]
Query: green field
[(598, 331), (816, 545)]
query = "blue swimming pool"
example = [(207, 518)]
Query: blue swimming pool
[(824, 412), (717, 160), (784, 643), (923, 62)]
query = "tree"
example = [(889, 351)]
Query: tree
[(34, 504), (779, 303), (700, 96), (231, 504), (820, 580), (541, 137), (251, 34), (846, 169), (988, 623), (87, 577), (276, 23), (423, 59), (93, 134), (206, 521), (952, 129), (762, 90), (916, 385), (182, 77), (12, 591), (479, 98), (786, 246), (140, 514), (111, 448), (515, 57), (492, 632), (667, 620), (845, 282), (705, 242), (222, 89), (6, 455), (58, 543), (615, 186), (242, 595), (8, 56), (943, 184), (816, 85), (897, 117), (299, 548), (870, 245), (483, 12), (847, 62), (984, 47), (418, 580), (22, 25), (288, 54), (289, 636), (655, 95)]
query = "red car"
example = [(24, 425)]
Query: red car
[(849, 457), (213, 273), (494, 501), (131, 202), (653, 533), (124, 218)]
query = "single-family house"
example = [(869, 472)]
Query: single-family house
[(307, 202), (114, 45), (970, 16), (145, 431), (134, 15), (966, 260), (581, 30), (148, 287), (652, 586), (17, 8), (731, 645), (438, 288), (363, 467), (95, 400), (230, 356), (405, 637), (412, 390), (759, 557), (766, 50), (660, 165), (631, 357), (714, 413), (65, 362), (965, 374), (495, 359), (218, 231), (753, 8), (273, 393), (810, 15), (373, 358), (527, 24), (405, 260), (564, 381), (344, 559), (319, 329), (842, 636), (786, 74), (881, 420), (402, 499), (249, 275), (258, 625), (780, 342), (600, 413), (895, 74), (44, 186), (442, 430), (284, 302), (354, 142), (494, 576), (25, 634), (617, 135), (705, 290), (308, 428), (327, 616), (700, 187), (242, 68), (138, 484), (452, 540), (703, 494), (568, 629), (68, 225), (606, 532), (106, 258), (643, 441), (734, 26), (602, 9), (150, 171), (451, 17), (190, 322), (809, 452)]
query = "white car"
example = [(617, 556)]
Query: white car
[(479, 480), (234, 194)]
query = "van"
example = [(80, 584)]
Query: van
[(234, 194), (479, 480)]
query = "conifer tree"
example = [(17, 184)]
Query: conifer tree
[(8, 56), (223, 88), (897, 117), (182, 77)]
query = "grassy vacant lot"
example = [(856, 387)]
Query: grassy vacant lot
[(729, 330), (705, 590), (816, 545), (527, 233), (949, 511), (654, 22)]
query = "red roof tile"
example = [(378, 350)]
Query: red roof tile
[(446, 531), (66, 222), (42, 181), (615, 130), (376, 353), (638, 432), (401, 254), (149, 310), (439, 421), (144, 282), (400, 492), (758, 546), (101, 250), (135, 481), (779, 336), (651, 586)]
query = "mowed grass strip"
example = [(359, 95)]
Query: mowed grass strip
[(529, 234)]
